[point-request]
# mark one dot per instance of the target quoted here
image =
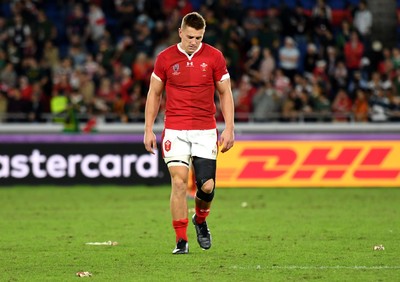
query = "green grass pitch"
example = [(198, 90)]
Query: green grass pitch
[(280, 235)]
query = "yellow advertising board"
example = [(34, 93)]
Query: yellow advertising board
[(300, 163)]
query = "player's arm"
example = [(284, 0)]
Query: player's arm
[(154, 96), (227, 137)]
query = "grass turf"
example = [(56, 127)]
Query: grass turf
[(281, 235)]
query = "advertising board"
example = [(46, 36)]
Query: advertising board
[(312, 161)]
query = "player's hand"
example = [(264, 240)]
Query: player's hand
[(226, 140), (150, 142)]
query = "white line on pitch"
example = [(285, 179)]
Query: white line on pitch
[(377, 267)]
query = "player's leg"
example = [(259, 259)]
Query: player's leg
[(178, 205), (205, 179), (176, 152), (204, 155)]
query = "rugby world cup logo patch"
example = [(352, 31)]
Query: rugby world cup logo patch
[(175, 69), (167, 145)]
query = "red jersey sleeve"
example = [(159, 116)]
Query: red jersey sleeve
[(220, 70), (159, 67)]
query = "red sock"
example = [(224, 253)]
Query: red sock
[(180, 227), (201, 215)]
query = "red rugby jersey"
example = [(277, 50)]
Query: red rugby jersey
[(190, 85)]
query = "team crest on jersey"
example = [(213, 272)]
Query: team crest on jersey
[(204, 66), (167, 145), (175, 68)]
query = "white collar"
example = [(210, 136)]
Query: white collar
[(187, 55)]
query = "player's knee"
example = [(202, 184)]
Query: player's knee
[(208, 186), (206, 197), (179, 184), (205, 178)]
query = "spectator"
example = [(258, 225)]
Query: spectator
[(62, 85), (36, 105), (266, 104), (18, 32), (126, 85), (143, 37), (376, 57), (87, 89), (25, 88), (360, 108), (77, 51), (290, 106), (301, 23), (396, 58), (282, 83), (314, 105), (212, 36), (252, 63), (379, 105), (106, 93), (244, 99), (45, 30), (126, 52), (51, 54), (378, 81), (58, 106), (251, 25), (267, 66), (322, 12), (289, 58), (105, 55), (97, 22), (363, 21), (343, 35), (3, 32), (353, 52), (271, 30), (340, 77), (394, 108), (305, 107), (77, 24), (341, 106), (8, 77), (125, 10), (310, 58), (331, 60), (141, 68), (31, 70), (90, 66), (396, 84), (17, 108), (3, 105), (321, 20)]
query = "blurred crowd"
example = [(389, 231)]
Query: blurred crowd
[(287, 63)]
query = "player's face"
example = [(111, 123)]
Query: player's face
[(190, 38)]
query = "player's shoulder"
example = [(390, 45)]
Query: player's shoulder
[(211, 49), (168, 52)]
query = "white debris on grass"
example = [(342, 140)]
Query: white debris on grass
[(83, 274), (107, 243)]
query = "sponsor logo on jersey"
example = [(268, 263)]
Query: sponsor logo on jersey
[(189, 64)]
